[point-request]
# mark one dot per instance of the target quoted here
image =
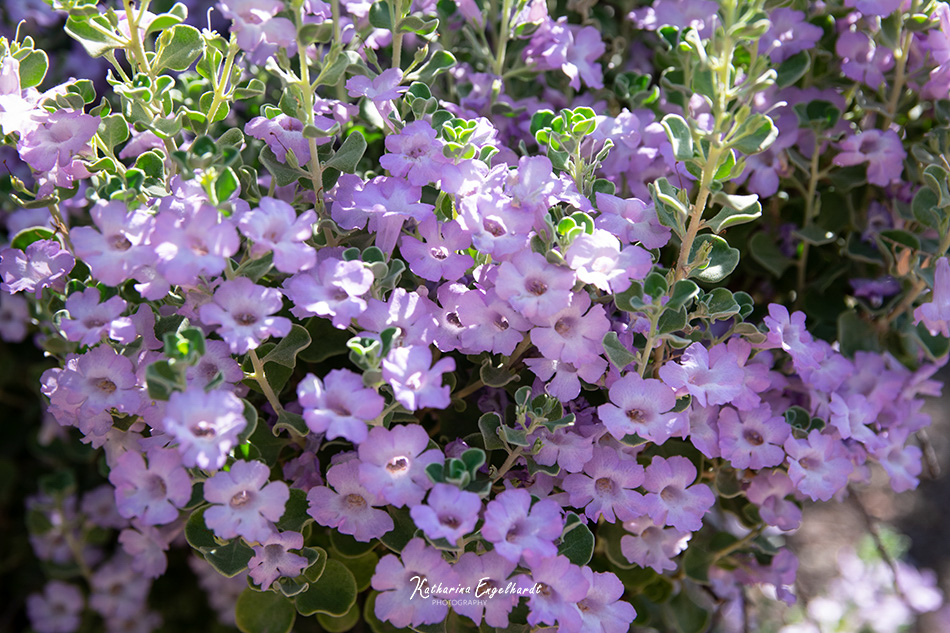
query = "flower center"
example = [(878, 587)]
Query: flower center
[(604, 485), (61, 133), (753, 437), (439, 253), (273, 552), (449, 521), (808, 463), (245, 319), (355, 501), (494, 228), (104, 384), (536, 287), (563, 326), (545, 590), (203, 428), (670, 494), (635, 415), (119, 243), (93, 322), (501, 322), (240, 499), (398, 465), (453, 318), (156, 487)]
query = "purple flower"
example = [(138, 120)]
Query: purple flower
[(862, 60), (415, 385), (436, 256), (244, 502), (565, 447), (852, 415), (409, 588), (817, 465), (768, 490), (415, 153), (671, 499), (259, 33), (516, 528), (652, 545), (152, 493), (195, 245), (14, 318), (147, 546), (699, 14), (631, 220), (216, 360), (242, 309), (394, 462), (57, 610), (349, 507), (709, 379), (61, 135), (44, 265), (387, 203), (487, 574), (339, 405), (383, 87), (580, 60), (598, 260), (560, 586), (448, 513), (92, 321), (99, 381), (639, 406), (603, 610), (273, 560), (789, 333), (534, 287), (205, 424), (605, 488), (491, 324), (564, 378), (570, 335), (117, 249), (752, 439), (275, 227), (788, 34), (936, 314), (880, 8), (882, 151), (334, 289)]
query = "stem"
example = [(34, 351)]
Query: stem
[(221, 83), (900, 69), (261, 379), (696, 215), (316, 171), (918, 287), (512, 458), (397, 33), (809, 216), (135, 41), (503, 34), (515, 355), (648, 348), (745, 540), (470, 389)]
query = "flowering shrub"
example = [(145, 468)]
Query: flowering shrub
[(469, 316)]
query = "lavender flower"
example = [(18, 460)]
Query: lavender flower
[(415, 153), (244, 502), (561, 586), (340, 405), (935, 315), (639, 406), (393, 463), (605, 488), (116, 248), (242, 309), (415, 385), (671, 498), (152, 493), (43, 265), (517, 529), (334, 289), (59, 136), (205, 424), (534, 287), (817, 465), (603, 610), (652, 545), (488, 575), (448, 513), (57, 610), (349, 507), (275, 227), (752, 439), (272, 559), (421, 571), (882, 151), (92, 321), (712, 379)]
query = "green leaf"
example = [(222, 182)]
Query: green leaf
[(230, 559), (755, 135), (348, 156), (655, 285), (722, 259), (792, 69), (577, 542), (177, 48), (334, 593), (402, 532), (285, 353), (362, 567), (856, 334), (33, 69), (197, 533), (295, 515), (686, 615), (293, 422), (489, 424), (617, 353), (440, 61), (380, 15), (264, 612), (721, 304), (95, 42), (176, 15), (347, 546), (113, 130), (764, 251), (495, 375), (677, 129), (225, 184), (33, 234), (683, 292), (283, 175), (671, 321), (736, 210), (925, 207), (815, 235), (344, 623)]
